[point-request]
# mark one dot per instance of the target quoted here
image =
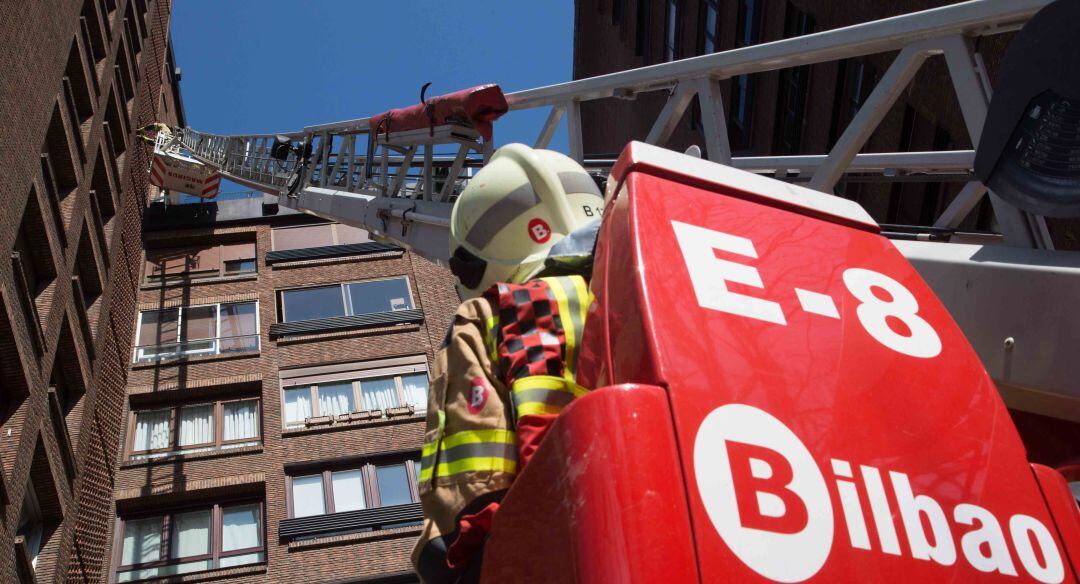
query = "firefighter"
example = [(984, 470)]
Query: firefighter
[(521, 238), (149, 132)]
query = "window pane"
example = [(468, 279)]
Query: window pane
[(302, 237), (240, 420), (297, 404), (416, 389), (379, 296), (348, 490), (151, 430), (379, 393), (309, 303), (241, 560), (239, 528), (307, 496), (158, 327), (191, 534), (335, 398), (196, 425), (142, 541), (238, 327), (393, 485), (199, 322), (239, 266)]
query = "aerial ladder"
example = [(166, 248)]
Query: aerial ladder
[(797, 396)]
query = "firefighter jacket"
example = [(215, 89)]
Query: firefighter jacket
[(505, 370)]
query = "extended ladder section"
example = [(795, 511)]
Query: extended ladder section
[(400, 185)]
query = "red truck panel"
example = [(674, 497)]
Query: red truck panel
[(597, 503)]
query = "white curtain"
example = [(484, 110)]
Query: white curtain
[(335, 398), (416, 389), (307, 496), (297, 404), (191, 534), (348, 490), (151, 430), (240, 420), (379, 393), (196, 425), (142, 541), (239, 527)]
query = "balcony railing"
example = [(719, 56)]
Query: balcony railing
[(344, 323), (197, 347)]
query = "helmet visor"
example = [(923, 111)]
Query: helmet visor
[(468, 268)]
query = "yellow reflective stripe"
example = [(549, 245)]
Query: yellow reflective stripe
[(549, 382), (476, 436), (538, 409), (492, 338), (582, 298), (430, 449), (544, 394), (567, 320), (467, 438), (477, 464)]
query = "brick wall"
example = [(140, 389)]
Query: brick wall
[(159, 485), (70, 235)]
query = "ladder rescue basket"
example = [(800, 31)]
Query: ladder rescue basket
[(177, 173)]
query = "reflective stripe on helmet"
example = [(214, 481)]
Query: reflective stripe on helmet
[(579, 182), (544, 394), (514, 204)]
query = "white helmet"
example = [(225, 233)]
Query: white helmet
[(520, 204)]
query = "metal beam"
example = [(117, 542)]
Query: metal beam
[(873, 110), (672, 112), (713, 121)]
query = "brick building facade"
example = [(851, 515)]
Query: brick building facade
[(77, 77), (276, 398)]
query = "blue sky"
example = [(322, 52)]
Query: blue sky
[(271, 66)]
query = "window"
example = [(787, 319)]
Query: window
[(740, 115), (349, 488), (349, 299), (794, 86), (211, 329), (671, 30), (192, 540), (306, 397), (642, 29), (31, 525), (320, 235), (189, 263), (198, 427), (710, 40)]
